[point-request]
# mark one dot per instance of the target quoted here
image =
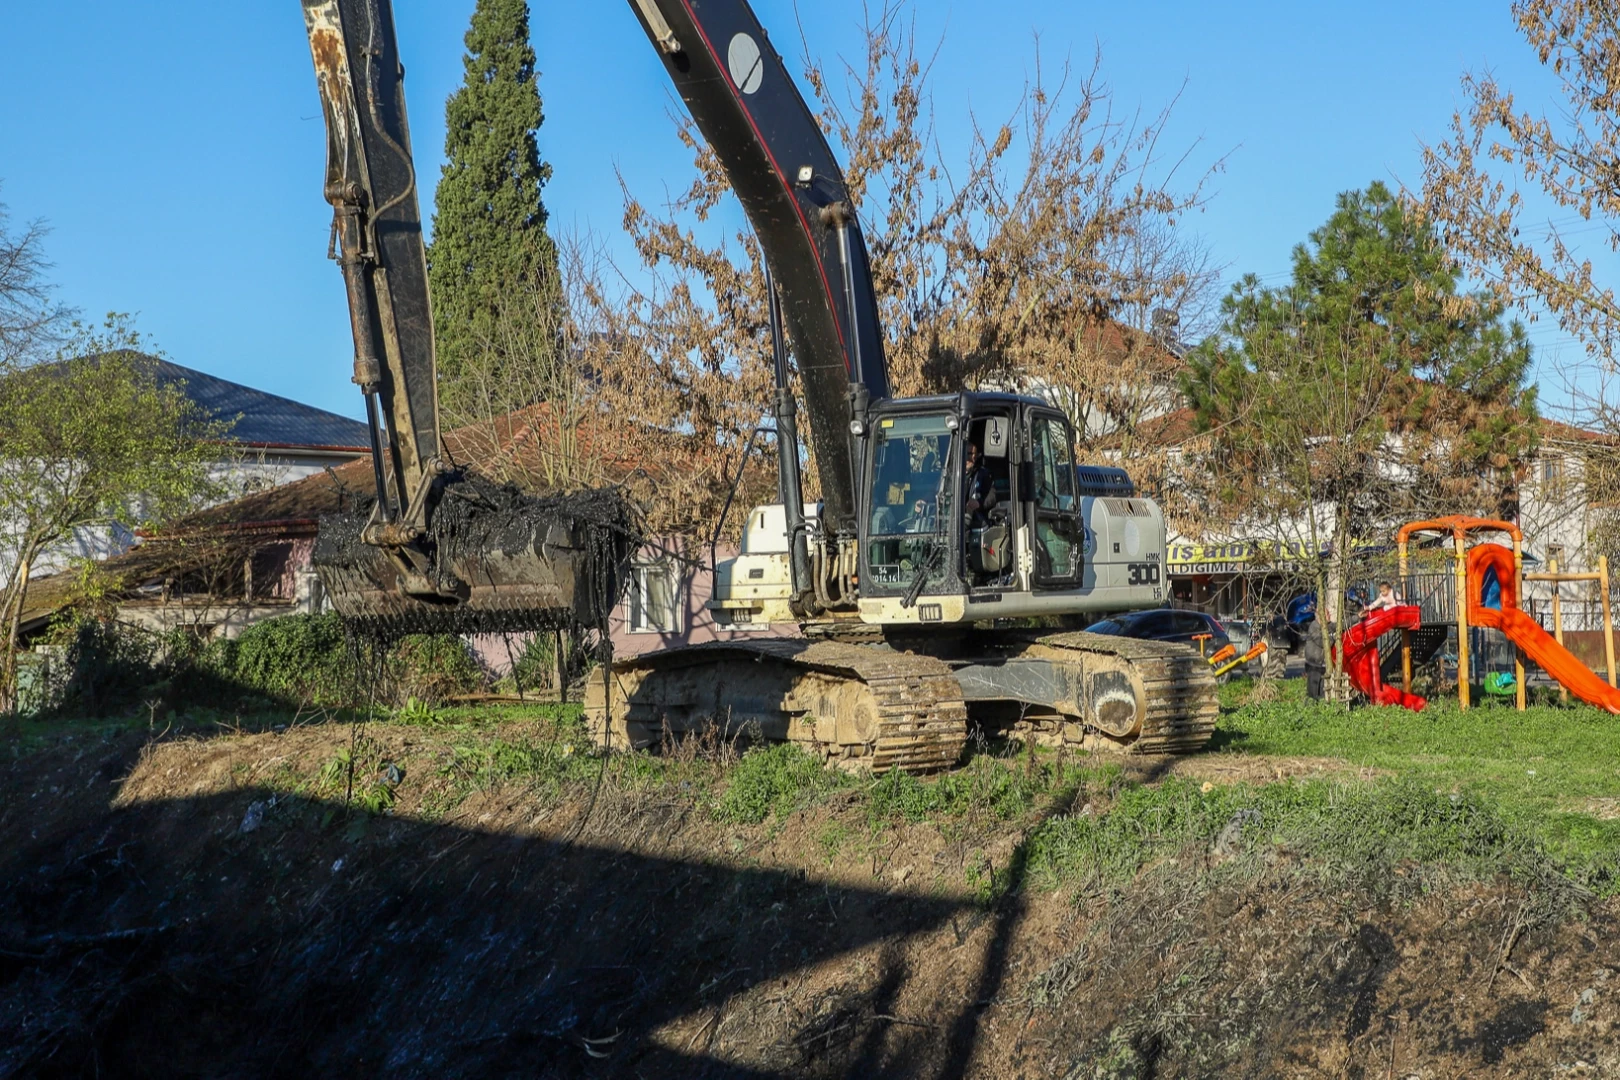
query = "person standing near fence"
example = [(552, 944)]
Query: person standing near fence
[(1315, 657)]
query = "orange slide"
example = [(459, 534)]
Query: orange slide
[(1361, 655), (1540, 646)]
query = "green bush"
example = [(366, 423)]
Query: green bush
[(775, 779), (430, 668), (110, 667), (307, 660), (298, 659)]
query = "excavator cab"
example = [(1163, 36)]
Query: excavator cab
[(934, 553)]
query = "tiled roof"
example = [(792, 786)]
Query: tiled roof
[(263, 419)]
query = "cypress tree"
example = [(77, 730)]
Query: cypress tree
[(489, 221)]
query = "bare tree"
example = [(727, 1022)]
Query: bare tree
[(1029, 261), (29, 317), (523, 392), (1572, 156)]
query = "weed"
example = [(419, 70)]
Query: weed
[(831, 840), (1001, 788), (336, 770), (416, 712), (989, 882), (776, 780)]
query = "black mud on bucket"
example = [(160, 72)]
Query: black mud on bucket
[(527, 562)]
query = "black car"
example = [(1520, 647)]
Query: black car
[(1167, 624)]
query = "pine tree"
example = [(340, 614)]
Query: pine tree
[(489, 222), (1369, 391), (1375, 303)]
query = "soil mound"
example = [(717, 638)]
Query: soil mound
[(225, 907)]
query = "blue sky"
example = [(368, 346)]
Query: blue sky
[(176, 150)]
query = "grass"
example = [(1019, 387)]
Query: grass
[(1545, 768), (1354, 832), (1485, 792)]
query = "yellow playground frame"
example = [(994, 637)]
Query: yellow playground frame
[(1460, 528)]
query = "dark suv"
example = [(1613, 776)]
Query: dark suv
[(1166, 624)]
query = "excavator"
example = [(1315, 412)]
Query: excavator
[(956, 540)]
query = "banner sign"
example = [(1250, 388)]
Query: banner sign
[(1244, 557)]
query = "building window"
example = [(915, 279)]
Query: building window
[(1552, 469), (654, 599)]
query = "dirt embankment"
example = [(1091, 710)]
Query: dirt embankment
[(174, 910)]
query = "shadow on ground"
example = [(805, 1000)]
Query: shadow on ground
[(160, 939)]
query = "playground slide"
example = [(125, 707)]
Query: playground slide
[(1491, 578), (1361, 655)]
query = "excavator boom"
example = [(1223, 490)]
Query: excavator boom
[(743, 101)]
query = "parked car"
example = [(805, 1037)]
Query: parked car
[(1166, 624)]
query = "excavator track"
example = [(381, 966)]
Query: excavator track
[(1146, 697), (860, 706)]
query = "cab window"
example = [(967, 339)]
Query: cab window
[(1057, 531), (909, 474)]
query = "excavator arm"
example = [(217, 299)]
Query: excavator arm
[(377, 242), (440, 549), (784, 173)]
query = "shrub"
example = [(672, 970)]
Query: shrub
[(298, 659), (294, 660), (535, 668), (109, 667), (430, 668)]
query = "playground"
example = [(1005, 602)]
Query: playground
[(1452, 620)]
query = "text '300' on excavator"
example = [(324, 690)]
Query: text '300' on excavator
[(949, 527)]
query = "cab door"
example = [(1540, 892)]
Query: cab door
[(1052, 505)]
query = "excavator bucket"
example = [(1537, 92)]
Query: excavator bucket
[(504, 562)]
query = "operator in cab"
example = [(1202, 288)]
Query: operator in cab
[(980, 498)]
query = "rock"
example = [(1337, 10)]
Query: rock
[(1231, 834), (1583, 1005)]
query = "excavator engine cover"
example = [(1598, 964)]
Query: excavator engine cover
[(508, 562)]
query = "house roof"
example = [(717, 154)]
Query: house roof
[(263, 419), (1556, 431), (522, 447), (1164, 431)]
